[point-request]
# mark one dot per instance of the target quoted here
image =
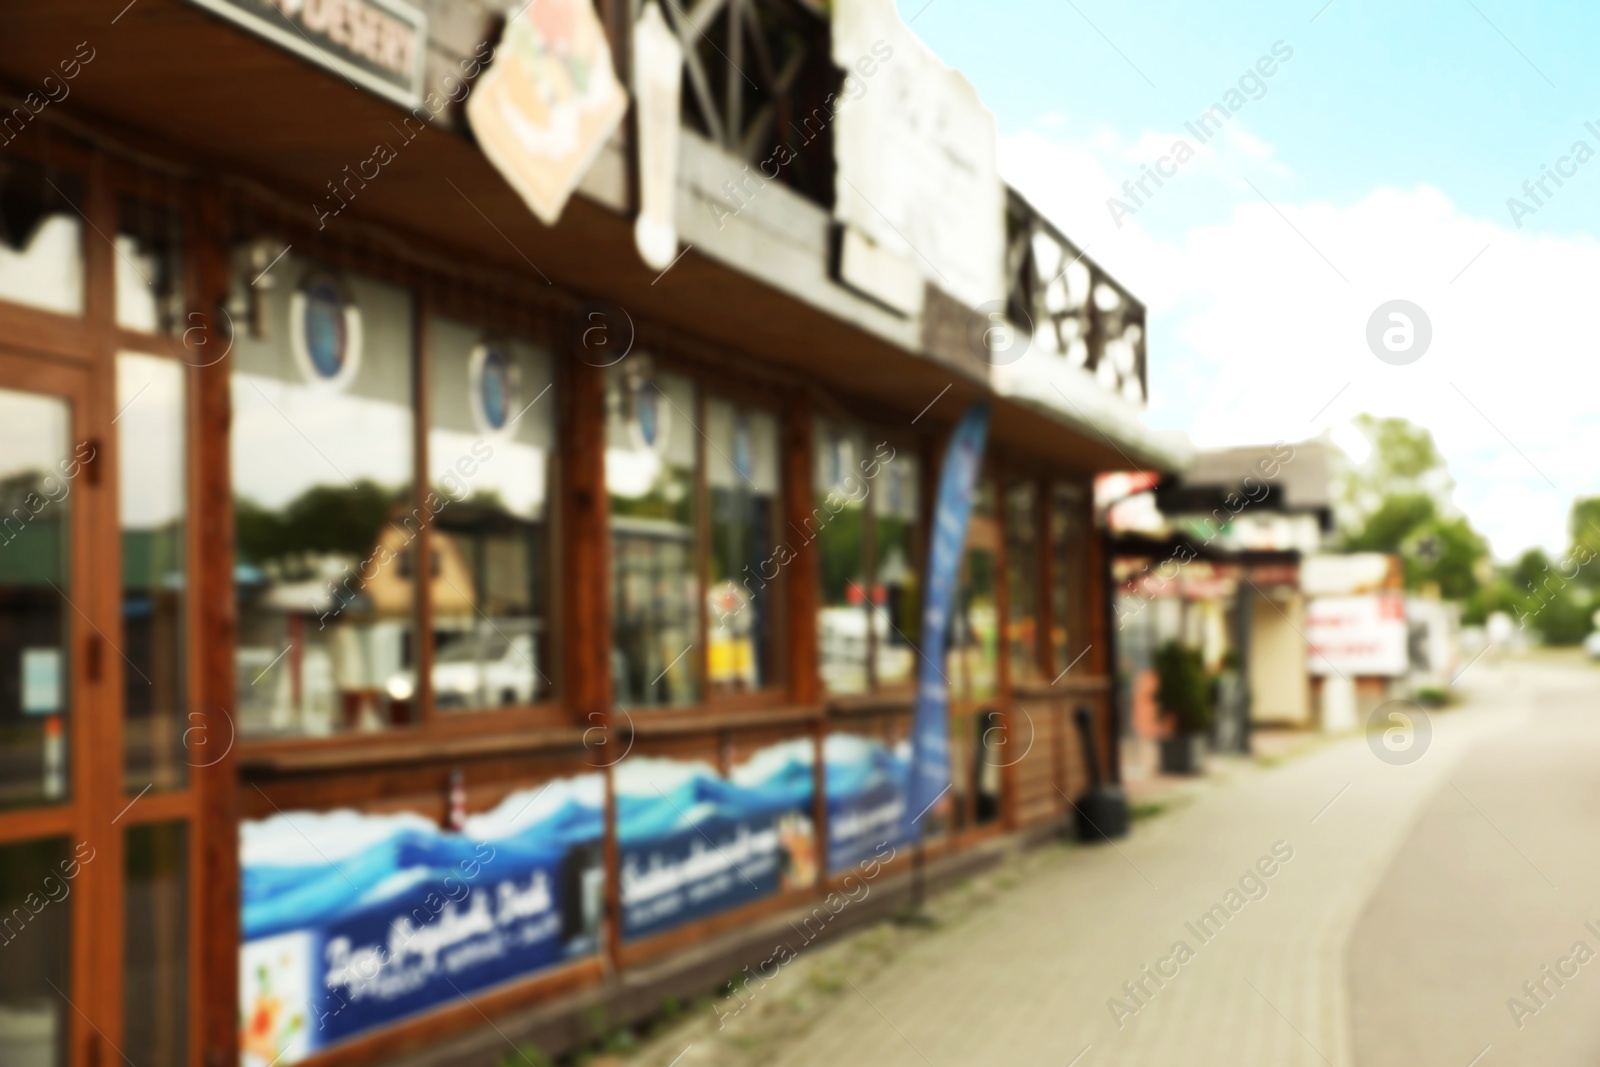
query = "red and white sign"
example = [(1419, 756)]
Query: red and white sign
[(1357, 635)]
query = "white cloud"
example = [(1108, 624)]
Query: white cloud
[(1259, 320)]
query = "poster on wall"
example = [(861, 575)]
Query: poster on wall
[(1357, 635), (866, 788), (695, 844), (353, 921), (544, 109)]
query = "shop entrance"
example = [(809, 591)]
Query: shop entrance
[(96, 796)]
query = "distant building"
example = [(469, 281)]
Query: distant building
[(1232, 557), (1211, 558)]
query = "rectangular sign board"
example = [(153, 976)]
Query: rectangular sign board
[(377, 44), (1357, 635)]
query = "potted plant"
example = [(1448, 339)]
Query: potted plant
[(1184, 692)]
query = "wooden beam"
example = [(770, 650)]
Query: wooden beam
[(584, 580), (803, 574), (216, 831)]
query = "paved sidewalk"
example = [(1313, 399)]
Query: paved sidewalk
[(1030, 982)]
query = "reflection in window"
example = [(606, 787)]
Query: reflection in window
[(650, 482), (742, 475), (149, 280), (1022, 581), (323, 510), (987, 759), (896, 613), (975, 629), (838, 523), (41, 237), (1066, 593), (37, 472), (34, 1019), (152, 508), (489, 453), (864, 522), (959, 812), (156, 945)]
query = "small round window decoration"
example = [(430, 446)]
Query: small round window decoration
[(495, 387), (651, 420), (325, 331)]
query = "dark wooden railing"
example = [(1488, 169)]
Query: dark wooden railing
[(1072, 307), (757, 74)]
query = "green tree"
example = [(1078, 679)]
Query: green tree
[(1445, 552), (1388, 526), (1584, 526), (1551, 597), (324, 519), (1404, 462), (1398, 501)]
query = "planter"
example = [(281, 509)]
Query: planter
[(1183, 754)]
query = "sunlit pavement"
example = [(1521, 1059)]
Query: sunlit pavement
[(1418, 899), (1495, 880)]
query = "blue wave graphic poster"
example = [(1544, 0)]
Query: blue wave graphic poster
[(866, 789), (694, 844), (351, 921)]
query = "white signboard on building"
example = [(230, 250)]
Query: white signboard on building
[(917, 173), (1357, 635)]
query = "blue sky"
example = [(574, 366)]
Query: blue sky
[(1377, 164), (1376, 94)]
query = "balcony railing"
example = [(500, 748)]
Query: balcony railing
[(1073, 308), (756, 75)]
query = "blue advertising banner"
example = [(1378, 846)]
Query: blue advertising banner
[(351, 921), (930, 730), (866, 789), (694, 843)]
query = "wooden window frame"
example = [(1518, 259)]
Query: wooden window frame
[(438, 734), (712, 710), (75, 356)]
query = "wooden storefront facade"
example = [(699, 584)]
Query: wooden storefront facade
[(223, 410)]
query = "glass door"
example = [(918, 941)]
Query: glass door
[(52, 667), (162, 745)]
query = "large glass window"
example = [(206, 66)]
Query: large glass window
[(652, 451), (1066, 589), (38, 468), (151, 509), (742, 477), (865, 524), (492, 408), (156, 945), (36, 883), (1022, 581), (41, 237), (838, 524), (975, 636), (148, 267), (896, 605), (323, 498)]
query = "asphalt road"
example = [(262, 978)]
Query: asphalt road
[(1497, 878)]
